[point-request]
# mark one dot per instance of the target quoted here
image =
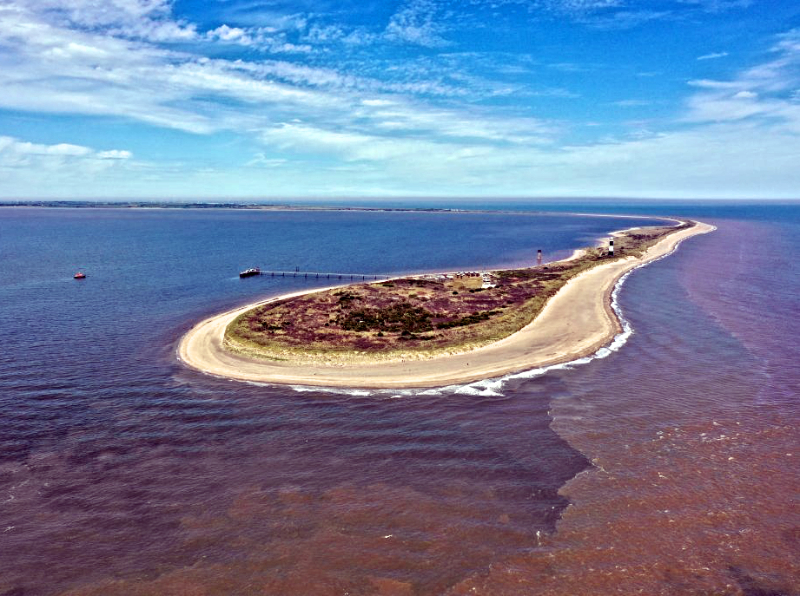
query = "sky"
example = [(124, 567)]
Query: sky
[(285, 99)]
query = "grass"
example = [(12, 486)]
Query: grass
[(414, 317)]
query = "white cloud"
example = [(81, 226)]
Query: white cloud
[(712, 56), (59, 149), (225, 33), (54, 69), (134, 19), (364, 134), (324, 33), (584, 5), (788, 42), (744, 141), (67, 71), (58, 68), (417, 23), (360, 37), (263, 38), (618, 14), (261, 160), (687, 163), (10, 145), (631, 103), (761, 92), (114, 154), (710, 84), (718, 5), (377, 102), (18, 154)]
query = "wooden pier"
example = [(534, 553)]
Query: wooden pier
[(324, 275)]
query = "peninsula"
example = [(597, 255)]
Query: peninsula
[(430, 330)]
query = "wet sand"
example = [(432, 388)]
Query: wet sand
[(576, 322)]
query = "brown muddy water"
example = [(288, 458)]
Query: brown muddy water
[(668, 466)]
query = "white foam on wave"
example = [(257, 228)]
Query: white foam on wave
[(484, 388), (391, 393), (494, 387), (336, 390)]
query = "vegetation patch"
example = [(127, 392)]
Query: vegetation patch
[(395, 318), (416, 317), (468, 320)]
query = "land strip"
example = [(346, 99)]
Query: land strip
[(572, 321)]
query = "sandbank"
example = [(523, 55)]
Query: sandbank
[(576, 322)]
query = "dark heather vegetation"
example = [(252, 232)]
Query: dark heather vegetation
[(425, 314), (393, 318)]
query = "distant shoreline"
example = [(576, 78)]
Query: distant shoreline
[(279, 207), (575, 322), (283, 207), (232, 206)]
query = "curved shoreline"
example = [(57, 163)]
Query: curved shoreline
[(574, 323)]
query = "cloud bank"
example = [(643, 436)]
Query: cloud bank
[(405, 106)]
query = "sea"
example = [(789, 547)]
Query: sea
[(666, 465)]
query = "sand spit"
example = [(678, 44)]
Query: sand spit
[(576, 322)]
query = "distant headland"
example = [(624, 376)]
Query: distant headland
[(433, 329), (252, 206)]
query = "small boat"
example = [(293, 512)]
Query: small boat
[(250, 272), (79, 275)]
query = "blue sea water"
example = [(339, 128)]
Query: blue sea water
[(123, 472)]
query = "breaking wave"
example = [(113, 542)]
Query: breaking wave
[(494, 387)]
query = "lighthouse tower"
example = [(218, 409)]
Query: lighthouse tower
[(539, 257), (610, 248)]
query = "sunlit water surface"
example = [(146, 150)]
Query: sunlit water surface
[(124, 473)]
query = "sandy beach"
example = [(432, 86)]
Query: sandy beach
[(576, 322)]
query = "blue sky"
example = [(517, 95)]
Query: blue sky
[(276, 99)]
